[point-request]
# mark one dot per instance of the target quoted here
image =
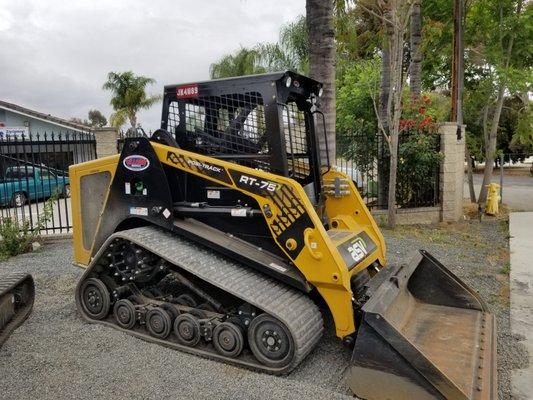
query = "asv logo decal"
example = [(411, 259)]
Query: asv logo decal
[(136, 163), (358, 250)]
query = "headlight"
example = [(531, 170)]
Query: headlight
[(320, 91), (288, 81)]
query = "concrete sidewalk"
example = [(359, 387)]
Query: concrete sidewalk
[(521, 246)]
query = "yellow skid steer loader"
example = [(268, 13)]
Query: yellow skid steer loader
[(223, 235)]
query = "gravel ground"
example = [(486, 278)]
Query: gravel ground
[(479, 254), (55, 355)]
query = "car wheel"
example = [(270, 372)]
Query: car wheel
[(19, 199)]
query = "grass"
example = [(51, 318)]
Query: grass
[(506, 269), (471, 212), (443, 233)]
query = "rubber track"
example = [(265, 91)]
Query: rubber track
[(9, 282), (301, 316)]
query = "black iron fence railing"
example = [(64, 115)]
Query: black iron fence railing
[(122, 135), (364, 156), (34, 177)]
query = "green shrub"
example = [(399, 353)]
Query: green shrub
[(16, 236)]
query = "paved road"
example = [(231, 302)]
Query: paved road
[(521, 246), (517, 190)]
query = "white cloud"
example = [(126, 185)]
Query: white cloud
[(56, 54)]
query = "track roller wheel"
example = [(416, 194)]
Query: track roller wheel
[(124, 312), (95, 298), (270, 341), (228, 339), (187, 329), (158, 322)]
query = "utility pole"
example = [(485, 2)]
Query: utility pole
[(457, 63), (458, 84)]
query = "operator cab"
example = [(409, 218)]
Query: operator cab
[(264, 121)]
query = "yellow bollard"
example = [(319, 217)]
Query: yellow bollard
[(493, 199)]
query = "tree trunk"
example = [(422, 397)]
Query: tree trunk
[(394, 107), (384, 88), (469, 174), (391, 217), (319, 17), (415, 67), (133, 122), (384, 91), (490, 144)]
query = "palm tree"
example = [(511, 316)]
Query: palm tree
[(129, 97), (415, 68), (243, 62), (319, 17), (291, 52)]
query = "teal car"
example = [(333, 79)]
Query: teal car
[(25, 183)]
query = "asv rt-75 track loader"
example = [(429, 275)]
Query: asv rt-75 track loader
[(17, 293), (224, 235)]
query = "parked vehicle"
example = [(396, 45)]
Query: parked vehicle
[(23, 183)]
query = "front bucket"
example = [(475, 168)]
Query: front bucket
[(424, 335)]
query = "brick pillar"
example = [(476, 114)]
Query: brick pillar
[(106, 141), (452, 172)]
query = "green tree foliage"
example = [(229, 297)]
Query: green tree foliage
[(291, 52), (356, 119), (490, 65), (500, 31), (522, 138), (96, 119), (358, 33), (243, 62), (358, 138), (489, 26), (128, 96)]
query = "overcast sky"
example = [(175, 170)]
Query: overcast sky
[(55, 54)]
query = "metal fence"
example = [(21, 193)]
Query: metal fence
[(515, 161), (34, 181), (130, 133), (364, 156)]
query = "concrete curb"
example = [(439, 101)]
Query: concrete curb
[(521, 280), (55, 237)]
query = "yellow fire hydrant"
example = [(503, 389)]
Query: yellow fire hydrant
[(493, 199)]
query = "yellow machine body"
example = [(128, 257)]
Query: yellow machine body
[(229, 203), (320, 261)]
